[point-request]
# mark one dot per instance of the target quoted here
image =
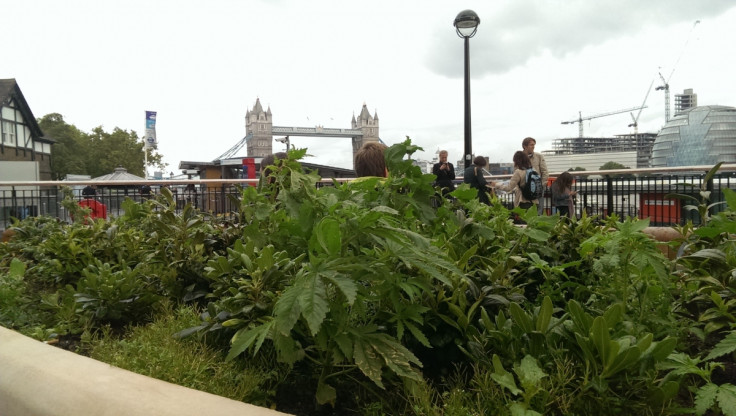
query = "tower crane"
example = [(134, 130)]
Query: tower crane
[(580, 118), (635, 123), (666, 82), (666, 87)]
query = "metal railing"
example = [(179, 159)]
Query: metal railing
[(644, 193), (637, 193)]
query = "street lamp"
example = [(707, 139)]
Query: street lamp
[(284, 140), (466, 24)]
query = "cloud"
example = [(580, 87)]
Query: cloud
[(520, 30)]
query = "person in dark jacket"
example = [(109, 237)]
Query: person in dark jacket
[(445, 173), (473, 176), (89, 192)]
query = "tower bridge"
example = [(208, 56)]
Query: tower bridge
[(260, 131)]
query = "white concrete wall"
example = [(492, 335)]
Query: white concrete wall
[(590, 161), (40, 380)]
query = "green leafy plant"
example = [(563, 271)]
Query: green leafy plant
[(118, 297), (701, 203), (530, 379), (709, 395)]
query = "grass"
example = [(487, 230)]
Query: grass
[(152, 351)]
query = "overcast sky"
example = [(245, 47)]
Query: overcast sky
[(201, 66)]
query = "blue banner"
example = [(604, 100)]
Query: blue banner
[(151, 129)]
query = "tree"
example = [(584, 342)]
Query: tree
[(69, 150), (119, 148), (577, 169), (612, 166), (616, 166), (96, 153)]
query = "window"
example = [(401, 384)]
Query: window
[(8, 133)]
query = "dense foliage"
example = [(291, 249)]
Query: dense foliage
[(377, 297)]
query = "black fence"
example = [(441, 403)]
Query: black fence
[(627, 193)]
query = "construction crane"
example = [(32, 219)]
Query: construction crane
[(666, 82), (580, 118), (666, 87), (635, 123)]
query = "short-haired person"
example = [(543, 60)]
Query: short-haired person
[(518, 179), (445, 173), (371, 161), (473, 176), (539, 164)]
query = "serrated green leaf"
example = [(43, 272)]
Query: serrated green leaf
[(287, 348), (287, 308), (313, 302), (705, 398), (344, 343), (328, 235), (710, 254), (246, 338), (725, 346), (368, 361), (418, 334), (726, 397), (348, 287)]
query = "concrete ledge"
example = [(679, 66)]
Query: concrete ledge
[(41, 380)]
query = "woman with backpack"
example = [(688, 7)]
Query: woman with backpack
[(518, 181)]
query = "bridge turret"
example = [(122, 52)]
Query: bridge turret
[(258, 125), (368, 124)]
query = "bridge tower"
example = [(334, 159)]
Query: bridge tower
[(258, 131), (368, 125)]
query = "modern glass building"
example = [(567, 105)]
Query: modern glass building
[(702, 135)]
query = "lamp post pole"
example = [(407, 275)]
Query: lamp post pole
[(468, 152), (466, 24)]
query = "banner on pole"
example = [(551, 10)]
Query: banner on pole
[(151, 129)]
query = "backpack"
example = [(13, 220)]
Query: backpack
[(532, 188)]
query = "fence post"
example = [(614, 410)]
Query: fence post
[(709, 188), (609, 195)]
